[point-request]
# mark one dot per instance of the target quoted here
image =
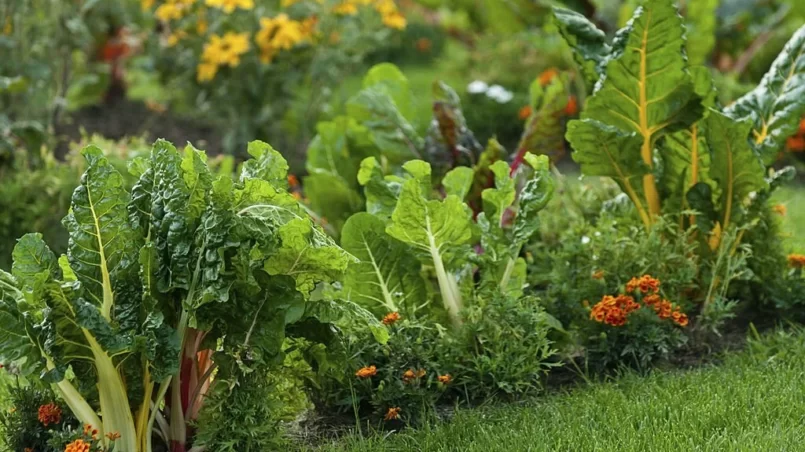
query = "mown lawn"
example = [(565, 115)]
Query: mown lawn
[(753, 401)]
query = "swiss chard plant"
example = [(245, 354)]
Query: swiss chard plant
[(186, 276), (654, 126), (413, 233), (380, 122)]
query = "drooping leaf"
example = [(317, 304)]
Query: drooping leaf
[(307, 256), (17, 346), (590, 46), (34, 264), (533, 197), (778, 102), (266, 164), (735, 167), (385, 275), (603, 150)]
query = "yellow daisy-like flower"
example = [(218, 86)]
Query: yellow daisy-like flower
[(206, 72), (227, 49), (146, 4), (395, 20), (169, 11), (385, 7), (346, 9), (229, 6)]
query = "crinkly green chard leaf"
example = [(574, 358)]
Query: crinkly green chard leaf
[(590, 46), (778, 102), (700, 23), (647, 89), (266, 164), (34, 266), (20, 343), (734, 166), (603, 150), (102, 245), (438, 229), (307, 255), (386, 276)]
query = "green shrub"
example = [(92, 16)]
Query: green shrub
[(34, 418)]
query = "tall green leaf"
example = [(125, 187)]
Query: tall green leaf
[(647, 89), (700, 21), (778, 102), (735, 167), (102, 241)]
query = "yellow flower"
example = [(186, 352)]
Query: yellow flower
[(780, 209), (385, 7), (346, 8), (174, 38), (169, 11), (206, 72), (8, 27), (395, 20), (279, 33), (226, 50), (230, 6), (146, 4)]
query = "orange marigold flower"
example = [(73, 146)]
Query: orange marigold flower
[(795, 143), (113, 436), (391, 318), (598, 274), (547, 75), (445, 379), (682, 320), (645, 283), (780, 209), (572, 107), (49, 414), (796, 260), (366, 372), (392, 414), (77, 446), (524, 113), (423, 45), (651, 299), (614, 310), (408, 375), (293, 181)]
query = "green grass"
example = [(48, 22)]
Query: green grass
[(754, 401)]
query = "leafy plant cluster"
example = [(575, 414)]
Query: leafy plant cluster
[(696, 174), (382, 123), (185, 276)]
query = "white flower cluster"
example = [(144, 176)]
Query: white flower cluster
[(495, 92)]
